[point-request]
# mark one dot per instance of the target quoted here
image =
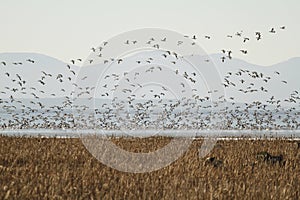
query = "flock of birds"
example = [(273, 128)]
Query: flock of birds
[(152, 109)]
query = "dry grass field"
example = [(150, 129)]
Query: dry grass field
[(40, 168)]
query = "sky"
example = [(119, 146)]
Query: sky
[(67, 29)]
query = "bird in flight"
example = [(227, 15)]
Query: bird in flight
[(229, 54), (272, 30), (119, 61), (29, 60), (72, 72), (179, 43), (276, 72), (223, 58), (244, 51), (239, 34), (245, 39), (43, 83), (258, 35), (282, 27)]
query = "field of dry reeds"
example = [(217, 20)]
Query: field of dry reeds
[(41, 168)]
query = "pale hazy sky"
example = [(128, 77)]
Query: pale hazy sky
[(67, 29)]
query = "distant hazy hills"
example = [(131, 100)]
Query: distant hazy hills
[(24, 75)]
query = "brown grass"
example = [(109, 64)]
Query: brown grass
[(37, 168)]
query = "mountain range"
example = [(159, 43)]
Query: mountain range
[(60, 78)]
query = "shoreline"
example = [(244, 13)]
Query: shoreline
[(194, 134)]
